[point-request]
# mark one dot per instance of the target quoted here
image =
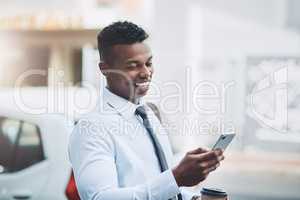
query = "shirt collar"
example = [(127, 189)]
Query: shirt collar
[(121, 105)]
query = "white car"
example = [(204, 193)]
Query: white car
[(33, 152)]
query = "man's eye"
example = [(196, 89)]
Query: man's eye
[(149, 64), (132, 65)]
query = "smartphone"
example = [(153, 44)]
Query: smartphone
[(223, 141)]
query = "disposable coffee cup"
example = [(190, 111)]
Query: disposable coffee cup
[(213, 194)]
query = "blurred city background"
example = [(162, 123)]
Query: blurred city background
[(220, 66)]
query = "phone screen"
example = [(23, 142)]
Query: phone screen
[(223, 141)]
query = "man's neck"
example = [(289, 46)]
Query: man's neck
[(132, 100)]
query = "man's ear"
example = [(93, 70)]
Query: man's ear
[(103, 68)]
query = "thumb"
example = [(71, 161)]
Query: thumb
[(198, 151)]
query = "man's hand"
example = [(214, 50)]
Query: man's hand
[(196, 165), (200, 198)]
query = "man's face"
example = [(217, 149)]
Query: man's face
[(129, 71)]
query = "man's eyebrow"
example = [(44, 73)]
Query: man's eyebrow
[(131, 61), (150, 58), (136, 61)]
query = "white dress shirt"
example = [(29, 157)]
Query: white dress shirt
[(113, 157)]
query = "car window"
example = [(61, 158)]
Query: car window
[(20, 145), (9, 129)]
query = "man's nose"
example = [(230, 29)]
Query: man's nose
[(145, 72)]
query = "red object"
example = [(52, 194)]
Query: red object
[(71, 190)]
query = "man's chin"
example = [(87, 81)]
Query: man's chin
[(141, 92)]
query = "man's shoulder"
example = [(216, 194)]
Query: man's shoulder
[(98, 117), (93, 126)]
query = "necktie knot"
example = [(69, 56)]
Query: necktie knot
[(141, 111)]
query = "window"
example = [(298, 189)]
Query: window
[(9, 130), (20, 145)]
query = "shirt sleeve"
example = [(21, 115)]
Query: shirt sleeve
[(92, 155), (188, 195)]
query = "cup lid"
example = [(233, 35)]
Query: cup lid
[(213, 192)]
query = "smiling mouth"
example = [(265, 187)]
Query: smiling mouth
[(144, 84)]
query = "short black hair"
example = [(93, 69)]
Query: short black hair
[(121, 32)]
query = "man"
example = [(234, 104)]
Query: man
[(121, 152)]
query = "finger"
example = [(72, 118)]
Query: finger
[(218, 151), (198, 151), (211, 155), (210, 169), (220, 158), (218, 154), (208, 164)]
